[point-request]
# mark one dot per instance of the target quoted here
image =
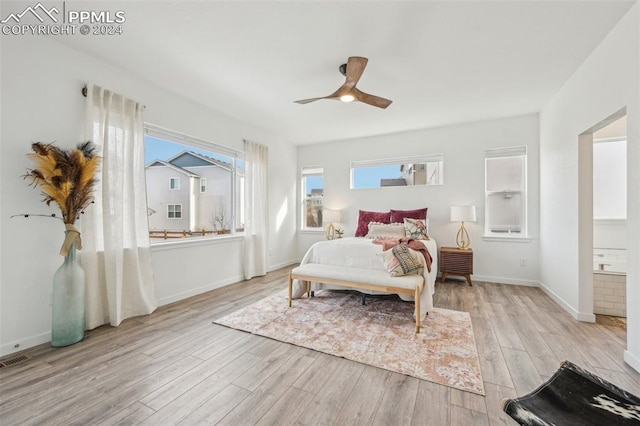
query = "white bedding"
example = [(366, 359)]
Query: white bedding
[(362, 253)]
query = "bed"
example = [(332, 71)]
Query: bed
[(360, 252)]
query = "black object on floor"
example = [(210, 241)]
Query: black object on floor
[(574, 396)]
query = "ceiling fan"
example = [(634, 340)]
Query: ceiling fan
[(348, 92)]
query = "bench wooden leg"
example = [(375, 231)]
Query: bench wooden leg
[(417, 313), (290, 288)]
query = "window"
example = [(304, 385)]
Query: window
[(610, 178), (312, 194), (205, 194), (423, 170), (174, 211), (506, 192)]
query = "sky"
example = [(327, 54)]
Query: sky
[(369, 177)]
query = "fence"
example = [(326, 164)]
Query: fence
[(165, 234)]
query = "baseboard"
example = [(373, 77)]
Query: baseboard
[(282, 264), (24, 344), (501, 280), (632, 360), (580, 316), (194, 292)]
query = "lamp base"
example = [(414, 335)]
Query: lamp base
[(331, 232), (462, 238)]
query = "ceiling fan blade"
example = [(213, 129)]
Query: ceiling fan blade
[(355, 68), (306, 101), (335, 95), (366, 98)]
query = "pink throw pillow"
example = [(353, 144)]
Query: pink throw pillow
[(364, 217), (398, 216)]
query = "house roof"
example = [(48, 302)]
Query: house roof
[(193, 159), (156, 163)]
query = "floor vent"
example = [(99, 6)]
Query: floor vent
[(13, 361)]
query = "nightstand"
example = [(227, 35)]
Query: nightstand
[(455, 261)]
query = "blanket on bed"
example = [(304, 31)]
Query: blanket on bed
[(389, 243)]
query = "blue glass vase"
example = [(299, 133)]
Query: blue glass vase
[(68, 302)]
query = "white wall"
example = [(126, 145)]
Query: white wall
[(605, 83), (463, 147), (41, 101)]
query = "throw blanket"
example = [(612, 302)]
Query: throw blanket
[(388, 243)]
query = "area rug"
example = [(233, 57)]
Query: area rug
[(380, 333), (574, 396)]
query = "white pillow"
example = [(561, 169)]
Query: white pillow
[(386, 230)]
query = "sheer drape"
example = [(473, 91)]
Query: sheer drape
[(256, 209), (116, 252)]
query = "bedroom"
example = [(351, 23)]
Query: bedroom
[(41, 81)]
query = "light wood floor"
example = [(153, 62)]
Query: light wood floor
[(175, 366)]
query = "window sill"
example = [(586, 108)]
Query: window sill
[(194, 242), (311, 231), (507, 239)]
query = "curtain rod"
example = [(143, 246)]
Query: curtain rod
[(85, 90)]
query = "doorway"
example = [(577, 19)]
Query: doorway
[(589, 214), (610, 222)]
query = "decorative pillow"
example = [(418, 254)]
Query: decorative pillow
[(416, 229), (401, 260), (385, 230), (397, 216), (364, 217)]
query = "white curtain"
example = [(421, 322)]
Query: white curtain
[(256, 225), (116, 253)]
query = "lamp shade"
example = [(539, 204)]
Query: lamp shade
[(463, 213), (331, 216)]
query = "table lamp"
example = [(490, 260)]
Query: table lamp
[(463, 214), (331, 216)]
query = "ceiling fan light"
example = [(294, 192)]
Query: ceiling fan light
[(347, 98)]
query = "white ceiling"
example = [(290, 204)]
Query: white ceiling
[(440, 62)]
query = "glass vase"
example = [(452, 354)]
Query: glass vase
[(68, 304)]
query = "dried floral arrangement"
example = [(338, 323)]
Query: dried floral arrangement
[(66, 177)]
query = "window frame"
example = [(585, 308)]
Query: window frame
[(236, 200), (174, 205), (203, 184), (305, 172), (400, 161), (171, 181), (507, 152)]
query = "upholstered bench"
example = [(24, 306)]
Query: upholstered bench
[(359, 278)]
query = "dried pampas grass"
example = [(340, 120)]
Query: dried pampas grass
[(66, 177)]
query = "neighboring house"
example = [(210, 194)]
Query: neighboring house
[(314, 208), (189, 192)]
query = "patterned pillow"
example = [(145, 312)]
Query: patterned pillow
[(401, 260), (364, 217), (385, 230), (397, 216), (417, 229)]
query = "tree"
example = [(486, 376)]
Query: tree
[(220, 218)]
